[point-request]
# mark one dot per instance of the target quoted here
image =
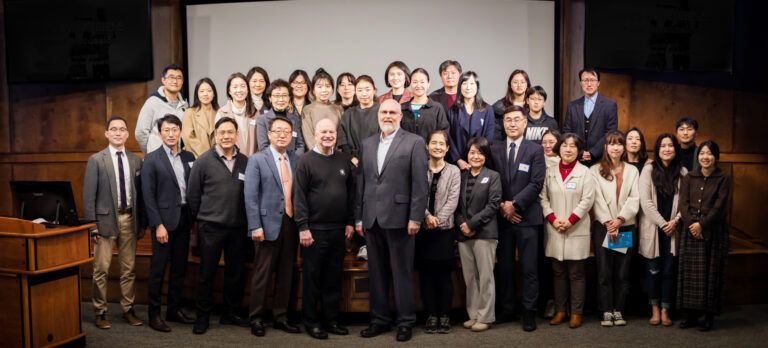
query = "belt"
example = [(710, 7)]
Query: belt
[(128, 210)]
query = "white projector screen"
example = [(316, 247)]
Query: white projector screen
[(490, 37)]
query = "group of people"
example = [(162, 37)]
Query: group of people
[(414, 177)]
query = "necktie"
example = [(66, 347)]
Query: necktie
[(511, 161), (121, 175), (286, 177)]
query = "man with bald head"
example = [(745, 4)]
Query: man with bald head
[(391, 201), (323, 201)]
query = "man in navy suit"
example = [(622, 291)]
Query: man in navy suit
[(521, 165), (591, 116), (166, 172), (271, 225)]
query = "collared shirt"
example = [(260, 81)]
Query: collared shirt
[(276, 156), (315, 149), (517, 147), (589, 104), (126, 173), (229, 162), (384, 144), (178, 170)]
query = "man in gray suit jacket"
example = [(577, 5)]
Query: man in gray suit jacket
[(111, 197), (268, 182), (392, 199)]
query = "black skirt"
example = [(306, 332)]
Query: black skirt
[(435, 245)]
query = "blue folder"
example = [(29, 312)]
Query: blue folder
[(624, 241)]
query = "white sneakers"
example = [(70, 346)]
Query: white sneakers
[(475, 325), (607, 319), (618, 320), (613, 319)]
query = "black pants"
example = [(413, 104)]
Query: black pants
[(390, 255), (213, 239), (526, 240), (436, 286), (175, 250), (612, 271), (546, 277), (277, 256), (321, 275)]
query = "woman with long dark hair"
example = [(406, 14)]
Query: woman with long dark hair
[(422, 115), (197, 122), (299, 81), (361, 120), (469, 117), (659, 225), (636, 154), (517, 84), (258, 81), (345, 90), (240, 108)]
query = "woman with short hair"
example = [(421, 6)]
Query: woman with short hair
[(321, 108), (422, 115), (398, 78)]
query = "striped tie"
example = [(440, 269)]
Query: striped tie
[(121, 175)]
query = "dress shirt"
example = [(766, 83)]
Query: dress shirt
[(178, 170), (384, 144), (126, 172), (229, 162), (276, 156), (589, 105), (517, 147)]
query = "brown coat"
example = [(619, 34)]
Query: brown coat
[(197, 130), (704, 200)]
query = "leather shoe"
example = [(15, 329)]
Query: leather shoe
[(404, 333), (707, 323), (529, 321), (317, 332), (179, 317), (286, 326), (158, 324), (257, 329), (558, 319), (575, 321), (201, 325), (102, 322), (374, 330), (336, 329), (131, 318), (233, 319)]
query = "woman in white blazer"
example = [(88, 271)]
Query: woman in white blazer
[(617, 201), (566, 198), (659, 224)]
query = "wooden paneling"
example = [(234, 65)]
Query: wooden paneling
[(62, 249), (125, 100), (10, 315), (5, 126), (750, 122), (6, 173), (72, 172), (620, 91), (571, 52), (13, 253), (59, 297), (749, 192)]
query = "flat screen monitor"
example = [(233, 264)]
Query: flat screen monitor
[(50, 200)]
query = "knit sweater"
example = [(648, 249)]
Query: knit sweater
[(215, 194), (323, 191)]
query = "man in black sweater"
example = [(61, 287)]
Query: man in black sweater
[(215, 197), (685, 132), (323, 198)]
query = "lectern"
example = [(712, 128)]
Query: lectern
[(40, 283)]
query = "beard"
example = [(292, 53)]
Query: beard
[(387, 128)]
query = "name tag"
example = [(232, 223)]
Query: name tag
[(523, 167), (484, 181), (482, 121), (253, 122), (571, 185), (137, 174), (295, 134), (191, 163), (241, 176)]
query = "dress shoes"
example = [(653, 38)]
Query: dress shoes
[(374, 330), (102, 322), (286, 326), (480, 327), (317, 332), (336, 329), (233, 319), (404, 333), (469, 323), (257, 329), (529, 321), (131, 318), (575, 321), (201, 325), (179, 317), (157, 323), (558, 319)]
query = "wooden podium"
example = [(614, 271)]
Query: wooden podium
[(40, 283)]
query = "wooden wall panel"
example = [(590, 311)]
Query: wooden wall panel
[(5, 126), (618, 88), (72, 172), (58, 118), (571, 53), (749, 192), (125, 100), (6, 174), (750, 122)]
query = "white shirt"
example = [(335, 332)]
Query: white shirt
[(384, 144), (517, 147), (126, 173)]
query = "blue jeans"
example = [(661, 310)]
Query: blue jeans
[(661, 274)]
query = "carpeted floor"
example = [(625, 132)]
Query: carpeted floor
[(738, 326)]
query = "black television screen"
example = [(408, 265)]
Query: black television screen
[(78, 40), (50, 200)]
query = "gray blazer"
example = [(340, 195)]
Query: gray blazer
[(100, 192), (479, 209), (264, 196), (447, 195), (399, 194)]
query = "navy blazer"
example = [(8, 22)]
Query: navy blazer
[(264, 197), (463, 128), (604, 118), (398, 194), (522, 185), (161, 190)]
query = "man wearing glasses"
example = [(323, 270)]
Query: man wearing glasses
[(165, 100), (165, 174), (279, 94), (591, 116)]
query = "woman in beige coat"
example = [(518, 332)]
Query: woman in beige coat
[(617, 202), (197, 122), (566, 198), (659, 188)]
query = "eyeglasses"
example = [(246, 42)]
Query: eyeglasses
[(280, 131), (514, 120), (115, 129), (177, 78), (298, 83), (536, 99), (280, 96), (589, 81)]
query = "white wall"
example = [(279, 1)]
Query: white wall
[(491, 37)]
